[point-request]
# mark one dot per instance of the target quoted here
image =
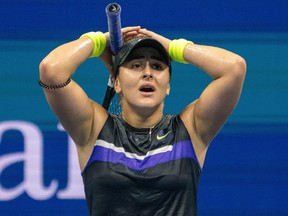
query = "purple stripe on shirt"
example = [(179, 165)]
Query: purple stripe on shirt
[(180, 150)]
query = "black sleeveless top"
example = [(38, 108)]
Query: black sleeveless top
[(142, 171)]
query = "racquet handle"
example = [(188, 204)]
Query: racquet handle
[(113, 12)]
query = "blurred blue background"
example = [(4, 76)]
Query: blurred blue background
[(246, 171)]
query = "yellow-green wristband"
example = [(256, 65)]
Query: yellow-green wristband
[(99, 41), (176, 50)]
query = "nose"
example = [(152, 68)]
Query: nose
[(147, 72)]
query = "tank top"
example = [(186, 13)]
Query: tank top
[(139, 172)]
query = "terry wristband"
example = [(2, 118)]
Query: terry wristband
[(176, 49), (99, 41)]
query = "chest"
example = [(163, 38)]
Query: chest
[(172, 175)]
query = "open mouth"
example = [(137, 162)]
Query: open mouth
[(147, 88)]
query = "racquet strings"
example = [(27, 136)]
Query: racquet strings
[(115, 106)]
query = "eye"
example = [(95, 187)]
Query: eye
[(137, 65), (158, 66)]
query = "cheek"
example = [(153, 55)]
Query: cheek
[(165, 85), (125, 83), (164, 82)]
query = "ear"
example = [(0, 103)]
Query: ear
[(117, 86), (168, 89)]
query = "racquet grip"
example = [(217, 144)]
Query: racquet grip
[(113, 12)]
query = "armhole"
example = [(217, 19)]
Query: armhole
[(90, 160), (180, 125)]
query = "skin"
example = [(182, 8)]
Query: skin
[(83, 118), (143, 71)]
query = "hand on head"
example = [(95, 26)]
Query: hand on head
[(129, 33)]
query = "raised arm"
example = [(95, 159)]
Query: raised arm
[(70, 104), (206, 116), (81, 117), (209, 113)]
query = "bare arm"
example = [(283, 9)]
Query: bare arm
[(81, 117), (70, 104), (206, 116), (209, 113)]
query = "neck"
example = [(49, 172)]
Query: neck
[(140, 121)]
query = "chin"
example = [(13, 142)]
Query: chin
[(148, 105)]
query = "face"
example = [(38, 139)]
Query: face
[(143, 80)]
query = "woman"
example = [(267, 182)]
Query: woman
[(141, 162)]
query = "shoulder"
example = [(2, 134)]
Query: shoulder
[(187, 116), (111, 126), (174, 123)]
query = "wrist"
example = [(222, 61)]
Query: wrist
[(99, 42), (177, 48)]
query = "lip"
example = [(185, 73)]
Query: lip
[(147, 86)]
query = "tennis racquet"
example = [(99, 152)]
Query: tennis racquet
[(113, 12)]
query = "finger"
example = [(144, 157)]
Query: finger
[(129, 29), (130, 34), (146, 32)]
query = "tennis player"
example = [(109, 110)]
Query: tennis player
[(142, 162)]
